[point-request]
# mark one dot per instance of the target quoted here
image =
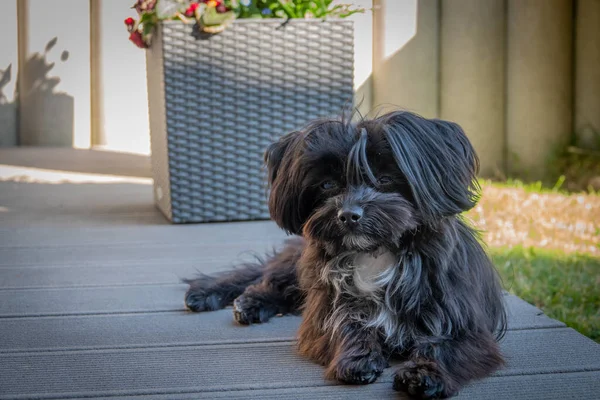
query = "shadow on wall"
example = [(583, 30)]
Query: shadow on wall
[(405, 57), (8, 111), (46, 115)]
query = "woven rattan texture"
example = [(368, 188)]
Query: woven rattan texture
[(230, 95)]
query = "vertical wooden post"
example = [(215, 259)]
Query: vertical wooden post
[(97, 87), (472, 75), (539, 83), (587, 73)]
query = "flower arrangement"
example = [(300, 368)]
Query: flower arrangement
[(212, 16)]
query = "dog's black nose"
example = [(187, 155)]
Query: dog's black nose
[(350, 216)]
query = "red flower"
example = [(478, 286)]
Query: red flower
[(221, 8), (191, 9), (136, 38), (130, 23)]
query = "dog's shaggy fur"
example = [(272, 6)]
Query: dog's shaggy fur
[(383, 265)]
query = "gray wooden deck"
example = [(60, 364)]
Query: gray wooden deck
[(91, 305)]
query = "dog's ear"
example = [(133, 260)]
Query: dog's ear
[(285, 189), (437, 159), (274, 155)]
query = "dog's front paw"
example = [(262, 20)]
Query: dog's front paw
[(199, 300), (358, 371), (249, 310), (421, 379)]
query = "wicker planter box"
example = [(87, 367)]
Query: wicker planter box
[(217, 102)]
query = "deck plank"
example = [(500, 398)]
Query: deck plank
[(76, 205), (134, 299), (220, 367), (179, 328), (82, 301), (165, 252), (564, 386), (134, 234)]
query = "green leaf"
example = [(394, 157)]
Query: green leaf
[(212, 21), (322, 9), (148, 28), (212, 17), (289, 10), (148, 18)]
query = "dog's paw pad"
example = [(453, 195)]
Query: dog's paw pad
[(199, 301), (420, 380), (247, 310)]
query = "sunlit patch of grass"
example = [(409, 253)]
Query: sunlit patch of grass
[(557, 186), (564, 286), (518, 214)]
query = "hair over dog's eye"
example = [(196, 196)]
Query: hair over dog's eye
[(329, 185), (384, 180)]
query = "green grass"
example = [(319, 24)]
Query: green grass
[(532, 187), (565, 286)]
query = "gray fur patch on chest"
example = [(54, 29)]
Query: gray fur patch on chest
[(372, 271), (363, 283)]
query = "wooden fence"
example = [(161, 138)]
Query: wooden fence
[(521, 76)]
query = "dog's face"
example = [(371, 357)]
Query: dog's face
[(362, 186)]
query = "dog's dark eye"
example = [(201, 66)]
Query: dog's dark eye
[(329, 185), (384, 180)]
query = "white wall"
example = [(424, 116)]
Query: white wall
[(121, 116), (55, 73), (363, 55), (406, 55)]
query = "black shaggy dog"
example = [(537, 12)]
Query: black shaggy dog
[(384, 265)]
